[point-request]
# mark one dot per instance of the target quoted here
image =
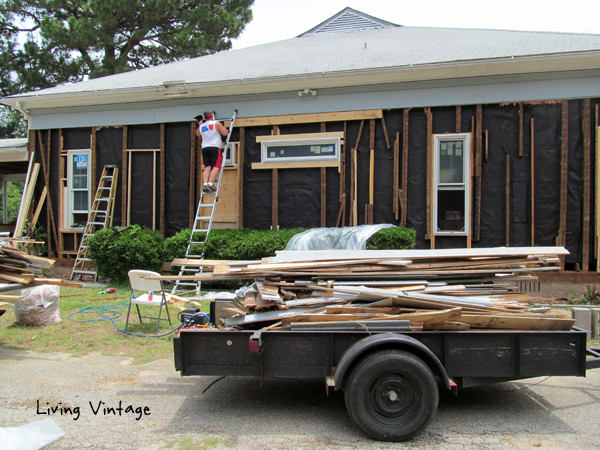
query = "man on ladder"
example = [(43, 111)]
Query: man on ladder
[(211, 131)]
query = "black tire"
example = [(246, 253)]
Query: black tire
[(391, 395)]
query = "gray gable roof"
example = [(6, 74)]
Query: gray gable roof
[(393, 50), (346, 21)]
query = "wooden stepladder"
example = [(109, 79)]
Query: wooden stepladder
[(99, 217), (203, 221)]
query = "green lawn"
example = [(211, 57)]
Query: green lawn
[(85, 333)]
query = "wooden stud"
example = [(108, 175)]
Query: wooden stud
[(404, 191), (597, 196), (342, 213), (343, 167), (192, 174), (430, 156), (478, 166), (162, 189), (129, 189), (355, 186), (458, 119), (240, 157), (323, 186), (396, 181), (521, 126), (564, 162), (532, 182), (275, 200), (124, 178), (385, 133), (61, 201), (487, 144), (372, 162), (587, 156), (38, 209), (93, 138), (507, 205), (49, 209)]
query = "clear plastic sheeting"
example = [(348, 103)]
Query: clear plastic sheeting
[(32, 436), (39, 307), (346, 238)]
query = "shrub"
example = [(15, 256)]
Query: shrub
[(393, 239), (117, 251)]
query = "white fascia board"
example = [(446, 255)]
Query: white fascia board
[(437, 71)]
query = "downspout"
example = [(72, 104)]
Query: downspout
[(23, 111)]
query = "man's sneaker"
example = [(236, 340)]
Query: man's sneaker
[(211, 188), (206, 189)]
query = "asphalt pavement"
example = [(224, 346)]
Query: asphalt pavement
[(103, 402)]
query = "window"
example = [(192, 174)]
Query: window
[(78, 181), (451, 184), (230, 153), (301, 150)]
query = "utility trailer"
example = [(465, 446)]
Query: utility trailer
[(391, 380)]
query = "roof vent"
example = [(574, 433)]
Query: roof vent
[(347, 21)]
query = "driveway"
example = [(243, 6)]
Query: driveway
[(159, 409)]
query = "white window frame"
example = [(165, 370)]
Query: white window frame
[(71, 190), (231, 148), (266, 159), (464, 186), (5, 179)]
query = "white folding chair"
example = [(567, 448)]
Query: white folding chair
[(140, 283)]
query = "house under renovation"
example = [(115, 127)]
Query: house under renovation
[(474, 138)]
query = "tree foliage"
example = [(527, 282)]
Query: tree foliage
[(48, 42)]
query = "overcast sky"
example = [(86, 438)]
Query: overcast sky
[(276, 20)]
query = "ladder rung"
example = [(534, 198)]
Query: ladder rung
[(91, 272), (203, 218)]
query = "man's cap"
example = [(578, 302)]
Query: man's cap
[(208, 115)]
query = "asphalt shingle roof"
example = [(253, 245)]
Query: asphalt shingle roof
[(335, 53)]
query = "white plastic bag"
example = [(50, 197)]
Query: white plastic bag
[(346, 238), (41, 306), (32, 436)]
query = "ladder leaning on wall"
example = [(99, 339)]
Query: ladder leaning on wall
[(100, 216), (203, 222)]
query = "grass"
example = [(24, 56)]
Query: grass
[(84, 333), (189, 444)]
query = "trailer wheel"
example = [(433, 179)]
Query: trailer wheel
[(391, 395)]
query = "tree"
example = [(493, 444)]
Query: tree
[(48, 42)]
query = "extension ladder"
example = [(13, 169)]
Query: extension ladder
[(99, 217), (202, 225)]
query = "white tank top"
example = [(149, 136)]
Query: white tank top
[(210, 136)]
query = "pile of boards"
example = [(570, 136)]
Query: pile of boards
[(19, 269), (389, 290)]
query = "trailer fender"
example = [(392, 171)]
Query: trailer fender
[(388, 340)]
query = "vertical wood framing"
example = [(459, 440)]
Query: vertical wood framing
[(161, 190), (597, 196), (192, 175), (240, 156), (385, 133), (61, 201), (507, 204), (430, 235), (354, 187), (323, 186), (564, 161), (521, 127), (128, 189), (396, 183), (458, 119), (532, 182), (404, 191), (478, 166), (343, 178), (275, 200), (587, 156), (94, 159), (49, 209), (124, 179)]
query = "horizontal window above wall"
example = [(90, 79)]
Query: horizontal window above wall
[(323, 149)]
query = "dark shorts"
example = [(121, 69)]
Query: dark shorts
[(212, 157)]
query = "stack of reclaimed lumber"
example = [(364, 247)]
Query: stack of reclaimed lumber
[(387, 290)]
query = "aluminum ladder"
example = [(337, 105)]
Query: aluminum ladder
[(99, 217), (202, 225)]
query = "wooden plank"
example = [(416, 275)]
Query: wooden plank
[(353, 186), (478, 167), (597, 196), (28, 191), (49, 209), (124, 178), (404, 191), (371, 161), (323, 197), (385, 133), (514, 322), (343, 167), (521, 126), (587, 172), (396, 181), (241, 150), (532, 182), (94, 162), (227, 210), (430, 178), (507, 202), (38, 210), (161, 189), (309, 118), (275, 199), (564, 162), (283, 137), (341, 219), (458, 119), (296, 165)]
